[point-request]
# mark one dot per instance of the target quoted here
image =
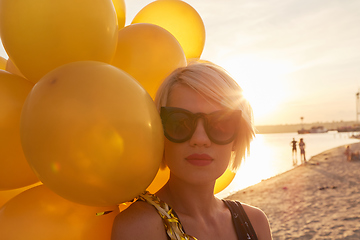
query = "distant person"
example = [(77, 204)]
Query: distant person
[(348, 153), (294, 151), (302, 150)]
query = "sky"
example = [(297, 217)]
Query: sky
[(293, 58)]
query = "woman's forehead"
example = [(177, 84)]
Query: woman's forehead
[(185, 97)]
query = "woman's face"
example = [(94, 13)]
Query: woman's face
[(197, 160)]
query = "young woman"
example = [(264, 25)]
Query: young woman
[(302, 151), (208, 127)]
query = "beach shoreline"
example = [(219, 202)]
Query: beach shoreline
[(318, 200)]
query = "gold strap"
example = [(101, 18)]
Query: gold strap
[(172, 224)]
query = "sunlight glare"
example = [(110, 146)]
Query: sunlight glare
[(262, 80)]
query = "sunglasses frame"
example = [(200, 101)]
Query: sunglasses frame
[(165, 113)]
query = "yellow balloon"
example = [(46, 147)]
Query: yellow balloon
[(120, 12), (6, 195), (40, 214), (15, 171), (148, 53), (92, 134), (163, 175), (124, 206), (159, 181), (224, 180), (42, 35), (11, 68), (180, 19), (3, 62)]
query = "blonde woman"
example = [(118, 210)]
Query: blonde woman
[(208, 127)]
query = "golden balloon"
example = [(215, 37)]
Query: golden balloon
[(11, 68), (41, 35), (149, 53), (224, 180), (159, 181), (120, 12), (6, 195), (3, 62), (92, 134), (180, 19), (15, 171), (40, 214)]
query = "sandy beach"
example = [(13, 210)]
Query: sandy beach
[(318, 200)]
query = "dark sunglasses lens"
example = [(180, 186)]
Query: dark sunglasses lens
[(178, 126), (222, 128)]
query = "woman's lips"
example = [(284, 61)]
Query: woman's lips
[(199, 159)]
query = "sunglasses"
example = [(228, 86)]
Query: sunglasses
[(179, 124)]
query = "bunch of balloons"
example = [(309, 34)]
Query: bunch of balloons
[(79, 132)]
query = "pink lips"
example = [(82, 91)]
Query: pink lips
[(199, 159)]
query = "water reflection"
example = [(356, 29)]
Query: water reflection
[(271, 155)]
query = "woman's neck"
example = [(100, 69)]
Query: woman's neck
[(188, 198)]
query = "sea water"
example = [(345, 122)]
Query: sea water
[(271, 154)]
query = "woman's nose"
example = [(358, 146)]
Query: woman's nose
[(200, 138)]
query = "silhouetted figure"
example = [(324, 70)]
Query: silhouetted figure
[(348, 153), (302, 150), (294, 151)]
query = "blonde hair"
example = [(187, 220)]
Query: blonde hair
[(214, 83)]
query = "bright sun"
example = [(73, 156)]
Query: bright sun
[(262, 80)]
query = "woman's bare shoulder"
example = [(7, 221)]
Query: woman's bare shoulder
[(259, 221), (139, 221)]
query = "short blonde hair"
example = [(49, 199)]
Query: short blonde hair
[(213, 82)]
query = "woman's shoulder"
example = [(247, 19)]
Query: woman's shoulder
[(139, 221), (258, 220)]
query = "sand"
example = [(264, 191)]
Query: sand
[(318, 200)]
